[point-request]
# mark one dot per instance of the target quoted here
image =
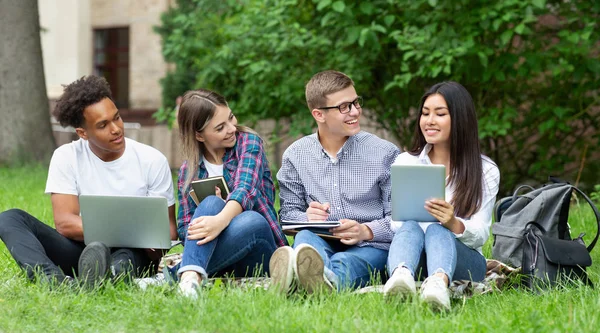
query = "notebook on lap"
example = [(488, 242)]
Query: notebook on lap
[(126, 221), (412, 185)]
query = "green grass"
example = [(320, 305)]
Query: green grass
[(34, 307)]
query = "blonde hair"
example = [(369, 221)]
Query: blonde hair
[(323, 84), (196, 110)]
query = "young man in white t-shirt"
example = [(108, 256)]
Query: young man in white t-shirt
[(101, 162)]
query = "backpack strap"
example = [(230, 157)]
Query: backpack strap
[(596, 213), (516, 192)]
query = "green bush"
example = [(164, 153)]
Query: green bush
[(595, 196), (532, 67)]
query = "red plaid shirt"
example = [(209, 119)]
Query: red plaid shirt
[(246, 171)]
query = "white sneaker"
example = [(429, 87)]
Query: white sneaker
[(311, 270), (401, 283), (282, 269), (157, 280), (434, 291), (189, 286)]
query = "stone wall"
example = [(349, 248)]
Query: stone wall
[(167, 140)]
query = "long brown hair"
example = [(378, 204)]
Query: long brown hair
[(466, 169), (195, 112)]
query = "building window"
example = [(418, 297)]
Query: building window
[(111, 60)]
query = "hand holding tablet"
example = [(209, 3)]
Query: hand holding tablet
[(412, 186)]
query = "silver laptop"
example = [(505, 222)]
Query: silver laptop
[(412, 185), (126, 221)]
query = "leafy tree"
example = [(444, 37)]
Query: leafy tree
[(531, 66)]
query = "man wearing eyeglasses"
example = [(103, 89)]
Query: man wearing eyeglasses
[(339, 174)]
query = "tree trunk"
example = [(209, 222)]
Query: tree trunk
[(25, 130)]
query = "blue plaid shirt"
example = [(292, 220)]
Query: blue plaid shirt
[(246, 171), (358, 185)]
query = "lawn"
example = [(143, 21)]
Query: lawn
[(32, 307)]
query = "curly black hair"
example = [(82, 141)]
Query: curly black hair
[(79, 95)]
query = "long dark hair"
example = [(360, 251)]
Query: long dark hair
[(466, 170)]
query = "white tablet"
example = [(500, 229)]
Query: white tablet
[(412, 185)]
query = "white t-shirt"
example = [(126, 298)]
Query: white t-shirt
[(141, 171), (213, 170)]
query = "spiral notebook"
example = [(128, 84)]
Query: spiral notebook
[(320, 228), (287, 224)]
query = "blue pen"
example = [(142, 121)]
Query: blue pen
[(312, 197)]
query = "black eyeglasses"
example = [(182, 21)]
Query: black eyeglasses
[(346, 106)]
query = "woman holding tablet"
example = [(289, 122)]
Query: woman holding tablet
[(240, 233), (446, 134)]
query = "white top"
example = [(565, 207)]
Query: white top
[(477, 228), (213, 170), (140, 171)]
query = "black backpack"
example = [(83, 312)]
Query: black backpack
[(548, 206)]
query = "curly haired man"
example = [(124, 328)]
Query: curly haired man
[(101, 162)]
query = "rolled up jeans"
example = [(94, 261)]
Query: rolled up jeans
[(244, 246)]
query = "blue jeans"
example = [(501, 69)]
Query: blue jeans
[(345, 266), (245, 244), (433, 251)]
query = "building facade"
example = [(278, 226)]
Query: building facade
[(115, 39)]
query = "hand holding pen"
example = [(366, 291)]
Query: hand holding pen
[(317, 211)]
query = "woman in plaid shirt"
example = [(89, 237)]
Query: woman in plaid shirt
[(237, 233)]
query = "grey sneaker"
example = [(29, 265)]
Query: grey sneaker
[(434, 292), (94, 264), (401, 283), (311, 270), (282, 269)]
